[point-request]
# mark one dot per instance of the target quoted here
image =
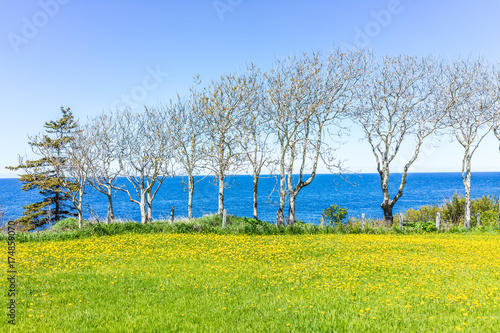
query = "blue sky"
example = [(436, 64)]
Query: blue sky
[(92, 55)]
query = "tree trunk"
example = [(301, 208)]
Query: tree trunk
[(190, 199), (387, 204), (80, 218), (388, 218), (57, 210), (280, 217), (111, 213), (255, 186), (221, 195), (291, 209), (150, 213), (467, 221), (466, 177), (149, 202), (79, 208), (142, 207)]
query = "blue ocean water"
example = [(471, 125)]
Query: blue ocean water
[(358, 193)]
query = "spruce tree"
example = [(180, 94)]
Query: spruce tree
[(45, 176)]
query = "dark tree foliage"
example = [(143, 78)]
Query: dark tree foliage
[(45, 177)]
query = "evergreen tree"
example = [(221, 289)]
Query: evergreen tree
[(45, 175)]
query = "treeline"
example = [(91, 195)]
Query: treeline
[(280, 120)]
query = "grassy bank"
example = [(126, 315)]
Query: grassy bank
[(251, 283), (212, 224)]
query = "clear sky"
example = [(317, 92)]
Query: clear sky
[(92, 55)]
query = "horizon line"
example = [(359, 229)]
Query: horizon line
[(317, 174)]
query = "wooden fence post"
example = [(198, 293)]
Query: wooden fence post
[(224, 212), (363, 221), (172, 215), (401, 220), (478, 223), (438, 221)]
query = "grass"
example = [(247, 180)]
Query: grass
[(67, 229), (199, 282)]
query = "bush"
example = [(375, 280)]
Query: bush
[(484, 204), (428, 226), (487, 207), (69, 223), (424, 213), (183, 228), (454, 210), (488, 218), (335, 215)]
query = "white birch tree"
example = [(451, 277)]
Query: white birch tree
[(495, 96), (303, 97), (254, 130), (221, 118), (470, 85), (107, 151), (398, 102), (147, 158), (189, 137)]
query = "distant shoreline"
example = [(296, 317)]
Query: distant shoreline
[(330, 174)]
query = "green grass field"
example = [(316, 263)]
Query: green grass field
[(238, 283)]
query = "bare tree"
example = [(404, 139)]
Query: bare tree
[(470, 89), (107, 151), (305, 95), (495, 109), (399, 101), (190, 139), (254, 132), (77, 169), (146, 161), (284, 103), (223, 100)]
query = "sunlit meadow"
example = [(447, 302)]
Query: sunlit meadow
[(285, 283)]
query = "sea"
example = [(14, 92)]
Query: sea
[(359, 193)]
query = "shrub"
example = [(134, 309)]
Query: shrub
[(488, 218), (69, 223), (424, 213), (484, 204), (428, 226), (487, 207), (454, 210), (335, 215), (353, 227), (183, 228)]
